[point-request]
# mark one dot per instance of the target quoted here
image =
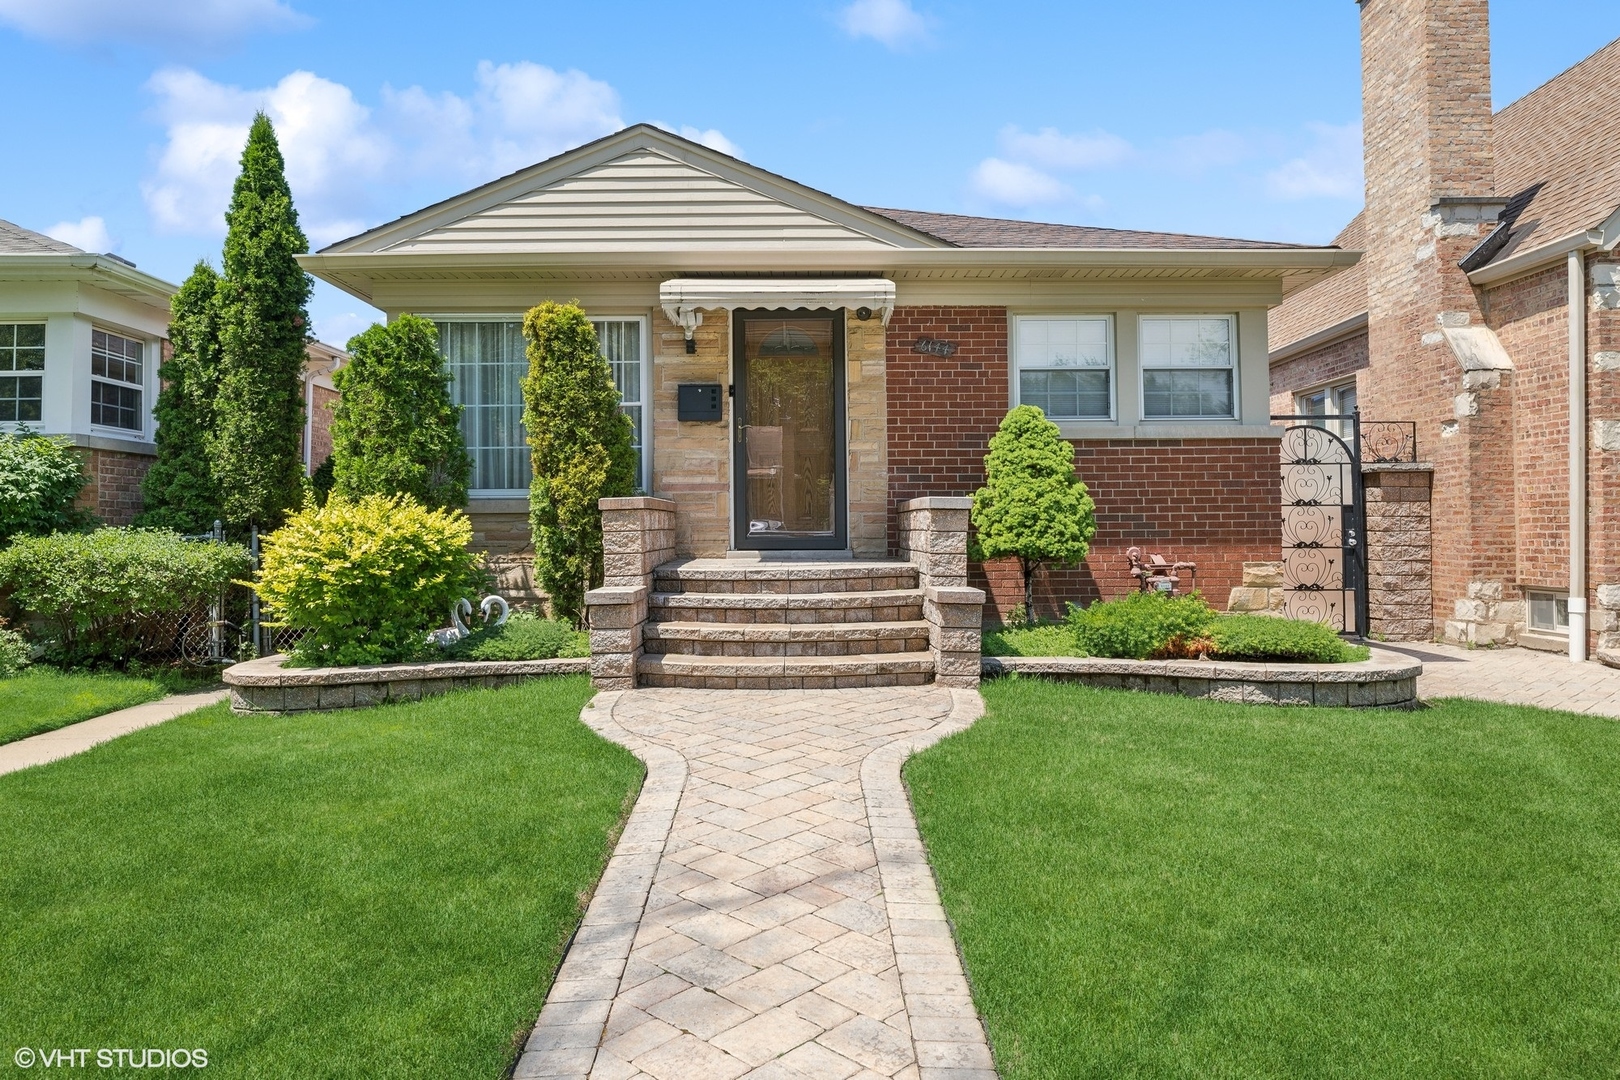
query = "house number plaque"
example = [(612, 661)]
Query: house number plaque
[(934, 347)]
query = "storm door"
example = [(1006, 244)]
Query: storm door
[(788, 450)]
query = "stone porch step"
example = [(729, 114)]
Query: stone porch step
[(785, 639), (730, 576), (887, 605), (785, 672)]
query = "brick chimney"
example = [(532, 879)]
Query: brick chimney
[(1431, 198)]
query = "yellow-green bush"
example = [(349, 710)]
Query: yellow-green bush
[(367, 579)]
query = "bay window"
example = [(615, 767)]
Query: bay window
[(117, 376), (22, 364)]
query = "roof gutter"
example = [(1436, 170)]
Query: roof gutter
[(1603, 238), (89, 266)]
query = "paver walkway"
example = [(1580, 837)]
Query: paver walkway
[(1515, 676), (77, 738), (769, 912)]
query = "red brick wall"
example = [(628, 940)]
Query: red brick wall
[(1331, 363), (114, 491), (1215, 502), (320, 435)]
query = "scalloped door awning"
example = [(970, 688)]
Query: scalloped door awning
[(683, 299)]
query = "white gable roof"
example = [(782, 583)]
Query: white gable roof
[(639, 190)]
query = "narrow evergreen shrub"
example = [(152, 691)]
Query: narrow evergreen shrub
[(1141, 626), (523, 637), (1031, 505), (109, 596), (367, 579), (581, 449), (263, 328), (40, 478), (1266, 637), (179, 491), (395, 429)]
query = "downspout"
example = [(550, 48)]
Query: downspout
[(1577, 455)]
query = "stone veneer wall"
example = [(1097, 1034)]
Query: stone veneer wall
[(692, 461), (867, 424), (1400, 601)]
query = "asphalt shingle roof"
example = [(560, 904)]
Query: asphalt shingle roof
[(16, 240), (986, 232)]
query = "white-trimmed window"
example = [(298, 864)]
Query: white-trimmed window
[(22, 364), (1339, 400), (117, 374), (625, 346), (1549, 613), (487, 363), (1189, 367), (1065, 365)]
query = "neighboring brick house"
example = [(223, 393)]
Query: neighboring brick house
[(1479, 229), (82, 338), (870, 353)]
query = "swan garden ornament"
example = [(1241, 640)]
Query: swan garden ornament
[(493, 609)]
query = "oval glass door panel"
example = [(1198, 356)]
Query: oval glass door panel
[(789, 437)]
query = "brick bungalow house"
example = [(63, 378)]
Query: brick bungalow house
[(82, 336), (798, 366), (1487, 311)]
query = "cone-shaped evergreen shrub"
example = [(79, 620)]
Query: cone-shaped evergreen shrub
[(395, 429), (581, 449), (1031, 505), (179, 490), (263, 327)]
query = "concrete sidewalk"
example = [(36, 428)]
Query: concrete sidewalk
[(77, 738)]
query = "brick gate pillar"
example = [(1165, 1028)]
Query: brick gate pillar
[(1400, 595), (638, 534)]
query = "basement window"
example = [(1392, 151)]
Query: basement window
[(1549, 613)]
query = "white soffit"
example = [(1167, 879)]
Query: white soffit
[(683, 298)]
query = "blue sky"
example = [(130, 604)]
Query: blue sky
[(124, 118)]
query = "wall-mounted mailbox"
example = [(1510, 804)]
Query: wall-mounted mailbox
[(698, 401)]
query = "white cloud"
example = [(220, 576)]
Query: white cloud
[(1017, 184), (87, 234), (148, 21), (713, 138), (1332, 168), (1050, 148), (331, 147), (895, 23), (341, 154)]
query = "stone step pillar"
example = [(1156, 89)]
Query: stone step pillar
[(933, 536), (638, 535)]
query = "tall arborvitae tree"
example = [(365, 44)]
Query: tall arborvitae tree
[(179, 489), (264, 327), (580, 445), (395, 429)]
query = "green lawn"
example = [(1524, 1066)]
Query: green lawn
[(44, 699), (1147, 886), (376, 892)]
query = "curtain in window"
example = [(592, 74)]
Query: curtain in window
[(621, 345), (487, 364)]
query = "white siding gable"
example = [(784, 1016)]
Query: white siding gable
[(641, 201)]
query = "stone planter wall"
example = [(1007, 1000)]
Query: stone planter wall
[(264, 686), (1387, 680)]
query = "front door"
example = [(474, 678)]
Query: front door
[(788, 453)]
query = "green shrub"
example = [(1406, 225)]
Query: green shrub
[(395, 429), (523, 637), (1266, 637), (366, 580), (1046, 639), (39, 480), (581, 449), (1031, 506), (1141, 625), (109, 596), (14, 653), (179, 491)]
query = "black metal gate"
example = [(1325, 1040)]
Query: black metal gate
[(1324, 551)]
